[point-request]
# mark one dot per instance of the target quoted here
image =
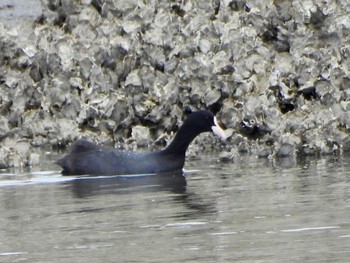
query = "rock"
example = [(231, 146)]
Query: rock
[(5, 157), (95, 69), (141, 135), (211, 97), (285, 150), (133, 79), (34, 159)]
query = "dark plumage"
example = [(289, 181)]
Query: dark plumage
[(88, 158)]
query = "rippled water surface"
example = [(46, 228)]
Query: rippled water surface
[(251, 210)]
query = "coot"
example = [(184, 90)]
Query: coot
[(88, 158)]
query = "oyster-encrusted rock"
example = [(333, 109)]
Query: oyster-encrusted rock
[(115, 71), (141, 135)]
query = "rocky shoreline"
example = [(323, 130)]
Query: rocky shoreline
[(276, 74)]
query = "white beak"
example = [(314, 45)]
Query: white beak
[(218, 130)]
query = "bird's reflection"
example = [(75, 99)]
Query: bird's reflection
[(90, 186), (87, 187)]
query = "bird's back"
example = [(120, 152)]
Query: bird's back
[(87, 158)]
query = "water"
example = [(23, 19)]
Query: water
[(251, 210)]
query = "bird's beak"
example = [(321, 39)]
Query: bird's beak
[(218, 130)]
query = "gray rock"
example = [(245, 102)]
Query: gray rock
[(94, 69), (141, 135), (285, 150)]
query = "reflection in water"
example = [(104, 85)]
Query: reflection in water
[(87, 187), (251, 210)]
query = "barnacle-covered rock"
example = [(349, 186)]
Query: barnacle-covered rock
[(5, 157), (141, 135), (250, 128), (275, 73), (4, 127)]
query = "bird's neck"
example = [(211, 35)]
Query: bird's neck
[(182, 140)]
